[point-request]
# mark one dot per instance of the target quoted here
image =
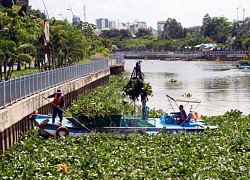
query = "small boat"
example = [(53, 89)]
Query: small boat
[(172, 123), (73, 127), (168, 123), (243, 64), (69, 126)]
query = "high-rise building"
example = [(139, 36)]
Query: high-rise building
[(76, 19), (141, 24), (123, 25), (160, 25), (112, 24), (102, 23)]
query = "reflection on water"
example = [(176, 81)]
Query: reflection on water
[(218, 85)]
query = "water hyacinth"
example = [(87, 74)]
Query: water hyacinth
[(219, 154)]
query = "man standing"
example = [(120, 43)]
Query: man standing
[(58, 104)]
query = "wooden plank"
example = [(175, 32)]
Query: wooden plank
[(6, 139), (14, 132), (10, 130), (1, 142)]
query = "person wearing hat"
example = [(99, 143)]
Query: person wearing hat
[(58, 104)]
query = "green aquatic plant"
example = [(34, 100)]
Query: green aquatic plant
[(187, 95), (213, 154), (103, 101)]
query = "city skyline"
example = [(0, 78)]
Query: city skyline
[(188, 12)]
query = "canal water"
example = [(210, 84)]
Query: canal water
[(220, 86)]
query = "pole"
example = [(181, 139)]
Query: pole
[(61, 15), (84, 13), (65, 112), (243, 14), (237, 13), (45, 8), (71, 10)]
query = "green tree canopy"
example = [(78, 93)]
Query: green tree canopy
[(172, 30), (217, 28)]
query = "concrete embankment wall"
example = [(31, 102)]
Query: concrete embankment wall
[(14, 119)]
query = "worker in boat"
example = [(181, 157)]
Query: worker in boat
[(58, 104), (182, 113)]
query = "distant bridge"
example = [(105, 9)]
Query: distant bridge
[(185, 55)]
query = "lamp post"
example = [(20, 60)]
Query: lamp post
[(237, 13), (244, 14), (70, 9), (61, 15)]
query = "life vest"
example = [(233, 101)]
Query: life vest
[(197, 115), (183, 115), (57, 100), (193, 115)]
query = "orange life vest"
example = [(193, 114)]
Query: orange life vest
[(57, 100), (183, 115)]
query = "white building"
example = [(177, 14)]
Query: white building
[(102, 23), (123, 26), (112, 24), (160, 25)]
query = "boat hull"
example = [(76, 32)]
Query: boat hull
[(165, 124), (70, 127)]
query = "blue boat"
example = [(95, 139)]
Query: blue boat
[(117, 125), (168, 123), (68, 127), (243, 64), (173, 124)]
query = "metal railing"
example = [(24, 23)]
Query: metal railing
[(19, 88), (179, 53), (116, 60)]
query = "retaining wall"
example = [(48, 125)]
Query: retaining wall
[(14, 119)]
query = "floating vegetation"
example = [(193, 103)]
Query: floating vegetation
[(173, 80), (220, 154), (187, 95)]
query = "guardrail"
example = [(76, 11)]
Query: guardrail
[(179, 52), (19, 88)]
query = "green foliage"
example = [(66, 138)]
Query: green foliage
[(24, 72), (103, 101), (116, 34), (173, 30), (219, 154), (144, 33), (137, 87), (22, 38)]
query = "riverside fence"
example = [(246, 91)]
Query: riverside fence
[(19, 88)]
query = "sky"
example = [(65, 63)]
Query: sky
[(188, 12)]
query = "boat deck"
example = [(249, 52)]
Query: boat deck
[(65, 121)]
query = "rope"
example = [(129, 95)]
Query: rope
[(65, 112)]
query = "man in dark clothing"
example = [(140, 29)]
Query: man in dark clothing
[(58, 104)]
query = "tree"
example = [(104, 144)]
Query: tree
[(144, 33), (111, 33), (217, 28), (172, 30), (125, 34), (240, 34)]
